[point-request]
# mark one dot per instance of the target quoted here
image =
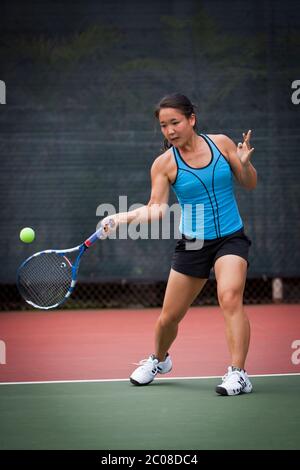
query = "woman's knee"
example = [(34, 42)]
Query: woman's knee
[(170, 317), (230, 299)]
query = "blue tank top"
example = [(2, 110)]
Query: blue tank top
[(208, 205)]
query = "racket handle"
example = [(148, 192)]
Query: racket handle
[(100, 233)]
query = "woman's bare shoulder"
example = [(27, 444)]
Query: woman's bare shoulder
[(166, 164), (222, 138), (223, 142), (165, 159)]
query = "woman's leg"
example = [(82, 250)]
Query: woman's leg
[(231, 272), (180, 292)]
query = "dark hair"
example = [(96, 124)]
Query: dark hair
[(176, 101)]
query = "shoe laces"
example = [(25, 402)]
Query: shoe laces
[(232, 373), (145, 361), (225, 375)]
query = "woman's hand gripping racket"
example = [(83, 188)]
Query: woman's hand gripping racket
[(47, 279)]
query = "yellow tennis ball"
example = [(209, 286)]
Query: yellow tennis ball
[(27, 235)]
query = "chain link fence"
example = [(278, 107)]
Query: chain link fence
[(128, 294)]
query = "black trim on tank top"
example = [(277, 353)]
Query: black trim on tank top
[(213, 190), (201, 167), (174, 153), (215, 218), (217, 148)]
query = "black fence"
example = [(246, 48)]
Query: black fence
[(129, 294)]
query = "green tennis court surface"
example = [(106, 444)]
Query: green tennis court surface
[(170, 414)]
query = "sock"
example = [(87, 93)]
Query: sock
[(238, 369), (154, 357)]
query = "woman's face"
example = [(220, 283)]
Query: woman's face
[(175, 126)]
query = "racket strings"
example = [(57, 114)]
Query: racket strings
[(45, 279)]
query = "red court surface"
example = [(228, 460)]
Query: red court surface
[(104, 344)]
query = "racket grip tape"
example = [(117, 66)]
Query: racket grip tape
[(99, 233)]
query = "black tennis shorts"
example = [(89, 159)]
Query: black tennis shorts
[(199, 262)]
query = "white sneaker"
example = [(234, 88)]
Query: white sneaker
[(149, 368), (234, 383)]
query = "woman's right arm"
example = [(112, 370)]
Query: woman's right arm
[(157, 205)]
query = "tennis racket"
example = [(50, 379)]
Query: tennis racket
[(46, 279)]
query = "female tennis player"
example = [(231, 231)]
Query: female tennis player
[(199, 168)]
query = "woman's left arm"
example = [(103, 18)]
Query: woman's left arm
[(239, 159)]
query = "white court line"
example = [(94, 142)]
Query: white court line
[(127, 380)]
